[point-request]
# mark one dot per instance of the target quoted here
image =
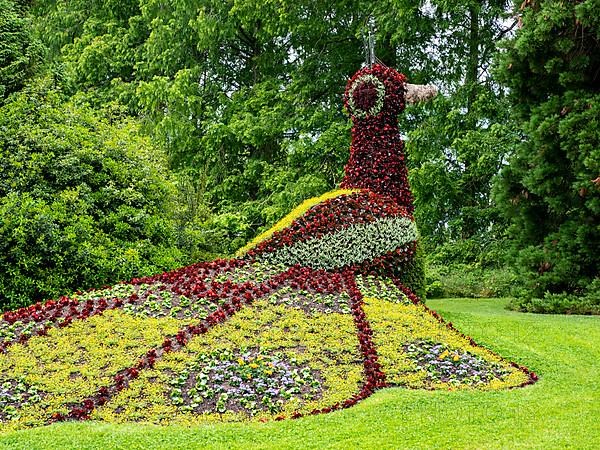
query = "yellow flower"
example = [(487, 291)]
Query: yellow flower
[(254, 365), (444, 354), (297, 212), (456, 358), (241, 362)]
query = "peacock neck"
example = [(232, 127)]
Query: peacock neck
[(377, 160)]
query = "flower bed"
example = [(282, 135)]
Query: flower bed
[(16, 394), (371, 286), (329, 216), (255, 272), (251, 382), (445, 364), (340, 335), (318, 350), (349, 246), (362, 230), (312, 317), (418, 350), (75, 361), (295, 214)]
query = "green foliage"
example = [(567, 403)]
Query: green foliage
[(235, 103), (451, 42), (84, 199), (453, 166), (457, 142), (248, 101), (470, 280), (20, 51), (550, 191), (562, 303)]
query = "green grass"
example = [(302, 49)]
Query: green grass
[(560, 411)]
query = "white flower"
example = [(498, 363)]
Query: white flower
[(377, 106)]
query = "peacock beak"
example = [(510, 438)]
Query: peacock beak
[(419, 92)]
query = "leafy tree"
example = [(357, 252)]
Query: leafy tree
[(550, 190), (84, 199), (246, 103), (245, 96), (456, 143), (19, 50)]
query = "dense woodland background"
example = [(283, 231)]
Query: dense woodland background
[(137, 136)]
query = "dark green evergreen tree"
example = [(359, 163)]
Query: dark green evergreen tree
[(550, 190)]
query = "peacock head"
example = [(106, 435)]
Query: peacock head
[(379, 92)]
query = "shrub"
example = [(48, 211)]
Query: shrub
[(84, 200), (563, 303), (470, 280)]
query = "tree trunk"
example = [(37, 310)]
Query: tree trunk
[(471, 77)]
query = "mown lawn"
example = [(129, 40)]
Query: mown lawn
[(561, 411)]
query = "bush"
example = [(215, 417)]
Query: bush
[(84, 200), (564, 303), (469, 280)]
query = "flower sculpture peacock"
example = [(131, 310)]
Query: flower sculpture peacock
[(312, 316), (367, 226)]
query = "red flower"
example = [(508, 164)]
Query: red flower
[(166, 345)]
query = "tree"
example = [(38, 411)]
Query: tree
[(550, 190), (20, 52), (456, 143), (245, 96), (248, 102), (84, 199)]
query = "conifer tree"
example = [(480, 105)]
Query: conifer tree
[(550, 190)]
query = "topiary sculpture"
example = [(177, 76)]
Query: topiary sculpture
[(312, 316), (369, 226)]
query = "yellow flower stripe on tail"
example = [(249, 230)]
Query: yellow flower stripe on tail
[(293, 215)]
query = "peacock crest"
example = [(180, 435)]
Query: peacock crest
[(375, 92)]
